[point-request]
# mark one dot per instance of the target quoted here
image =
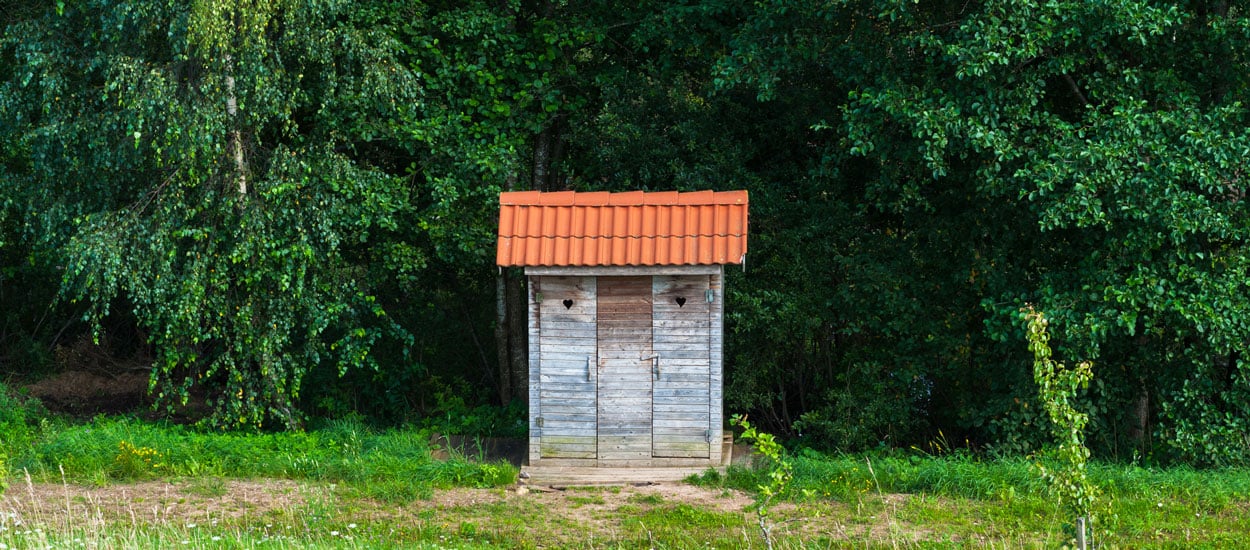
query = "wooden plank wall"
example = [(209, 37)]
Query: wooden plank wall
[(596, 392), (682, 329), (624, 316), (567, 342)]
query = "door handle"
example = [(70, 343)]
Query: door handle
[(589, 359), (655, 365)]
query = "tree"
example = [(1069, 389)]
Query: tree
[(215, 164), (1104, 178), (500, 81)]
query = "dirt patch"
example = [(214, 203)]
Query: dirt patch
[(156, 502), (85, 393), (108, 376), (549, 517)]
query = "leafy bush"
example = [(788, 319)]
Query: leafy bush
[(19, 419), (458, 417), (1207, 425), (1057, 386), (859, 418)]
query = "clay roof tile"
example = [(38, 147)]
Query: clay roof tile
[(569, 228)]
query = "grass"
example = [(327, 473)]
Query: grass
[(967, 499), (345, 485), (837, 502), (393, 465)]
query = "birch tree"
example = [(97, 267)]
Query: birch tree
[(202, 166)]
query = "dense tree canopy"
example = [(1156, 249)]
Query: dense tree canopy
[(275, 191), (208, 164)]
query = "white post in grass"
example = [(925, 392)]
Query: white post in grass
[(1080, 533)]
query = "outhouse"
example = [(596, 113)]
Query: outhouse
[(625, 322)]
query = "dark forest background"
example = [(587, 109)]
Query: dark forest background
[(275, 210)]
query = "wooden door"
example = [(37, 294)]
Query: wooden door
[(682, 390), (624, 367), (567, 398)]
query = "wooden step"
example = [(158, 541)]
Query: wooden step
[(572, 476), (546, 475)]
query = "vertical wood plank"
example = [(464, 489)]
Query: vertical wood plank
[(716, 317), (624, 344)]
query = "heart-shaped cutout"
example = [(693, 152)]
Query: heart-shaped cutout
[(681, 301), (568, 304)]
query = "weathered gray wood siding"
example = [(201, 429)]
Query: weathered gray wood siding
[(624, 314), (630, 372), (566, 419), (682, 328), (716, 413)]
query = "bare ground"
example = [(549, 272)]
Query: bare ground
[(546, 517)]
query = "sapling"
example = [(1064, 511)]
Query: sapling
[(780, 471), (1057, 386)]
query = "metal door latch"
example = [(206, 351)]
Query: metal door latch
[(655, 364)]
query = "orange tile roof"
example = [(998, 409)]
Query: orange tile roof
[(621, 229)]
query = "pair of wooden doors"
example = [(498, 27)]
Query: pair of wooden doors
[(625, 367)]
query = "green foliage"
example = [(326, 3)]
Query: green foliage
[(452, 415), (21, 418), (918, 172), (234, 231), (1016, 153), (494, 77), (777, 467), (1057, 385), (1207, 425)]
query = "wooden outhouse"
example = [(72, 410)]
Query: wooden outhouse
[(625, 322)]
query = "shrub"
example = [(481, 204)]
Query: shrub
[(19, 417)]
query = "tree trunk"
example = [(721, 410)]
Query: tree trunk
[(556, 180), (518, 336), (542, 159), (501, 338), (236, 138), (1141, 417)]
